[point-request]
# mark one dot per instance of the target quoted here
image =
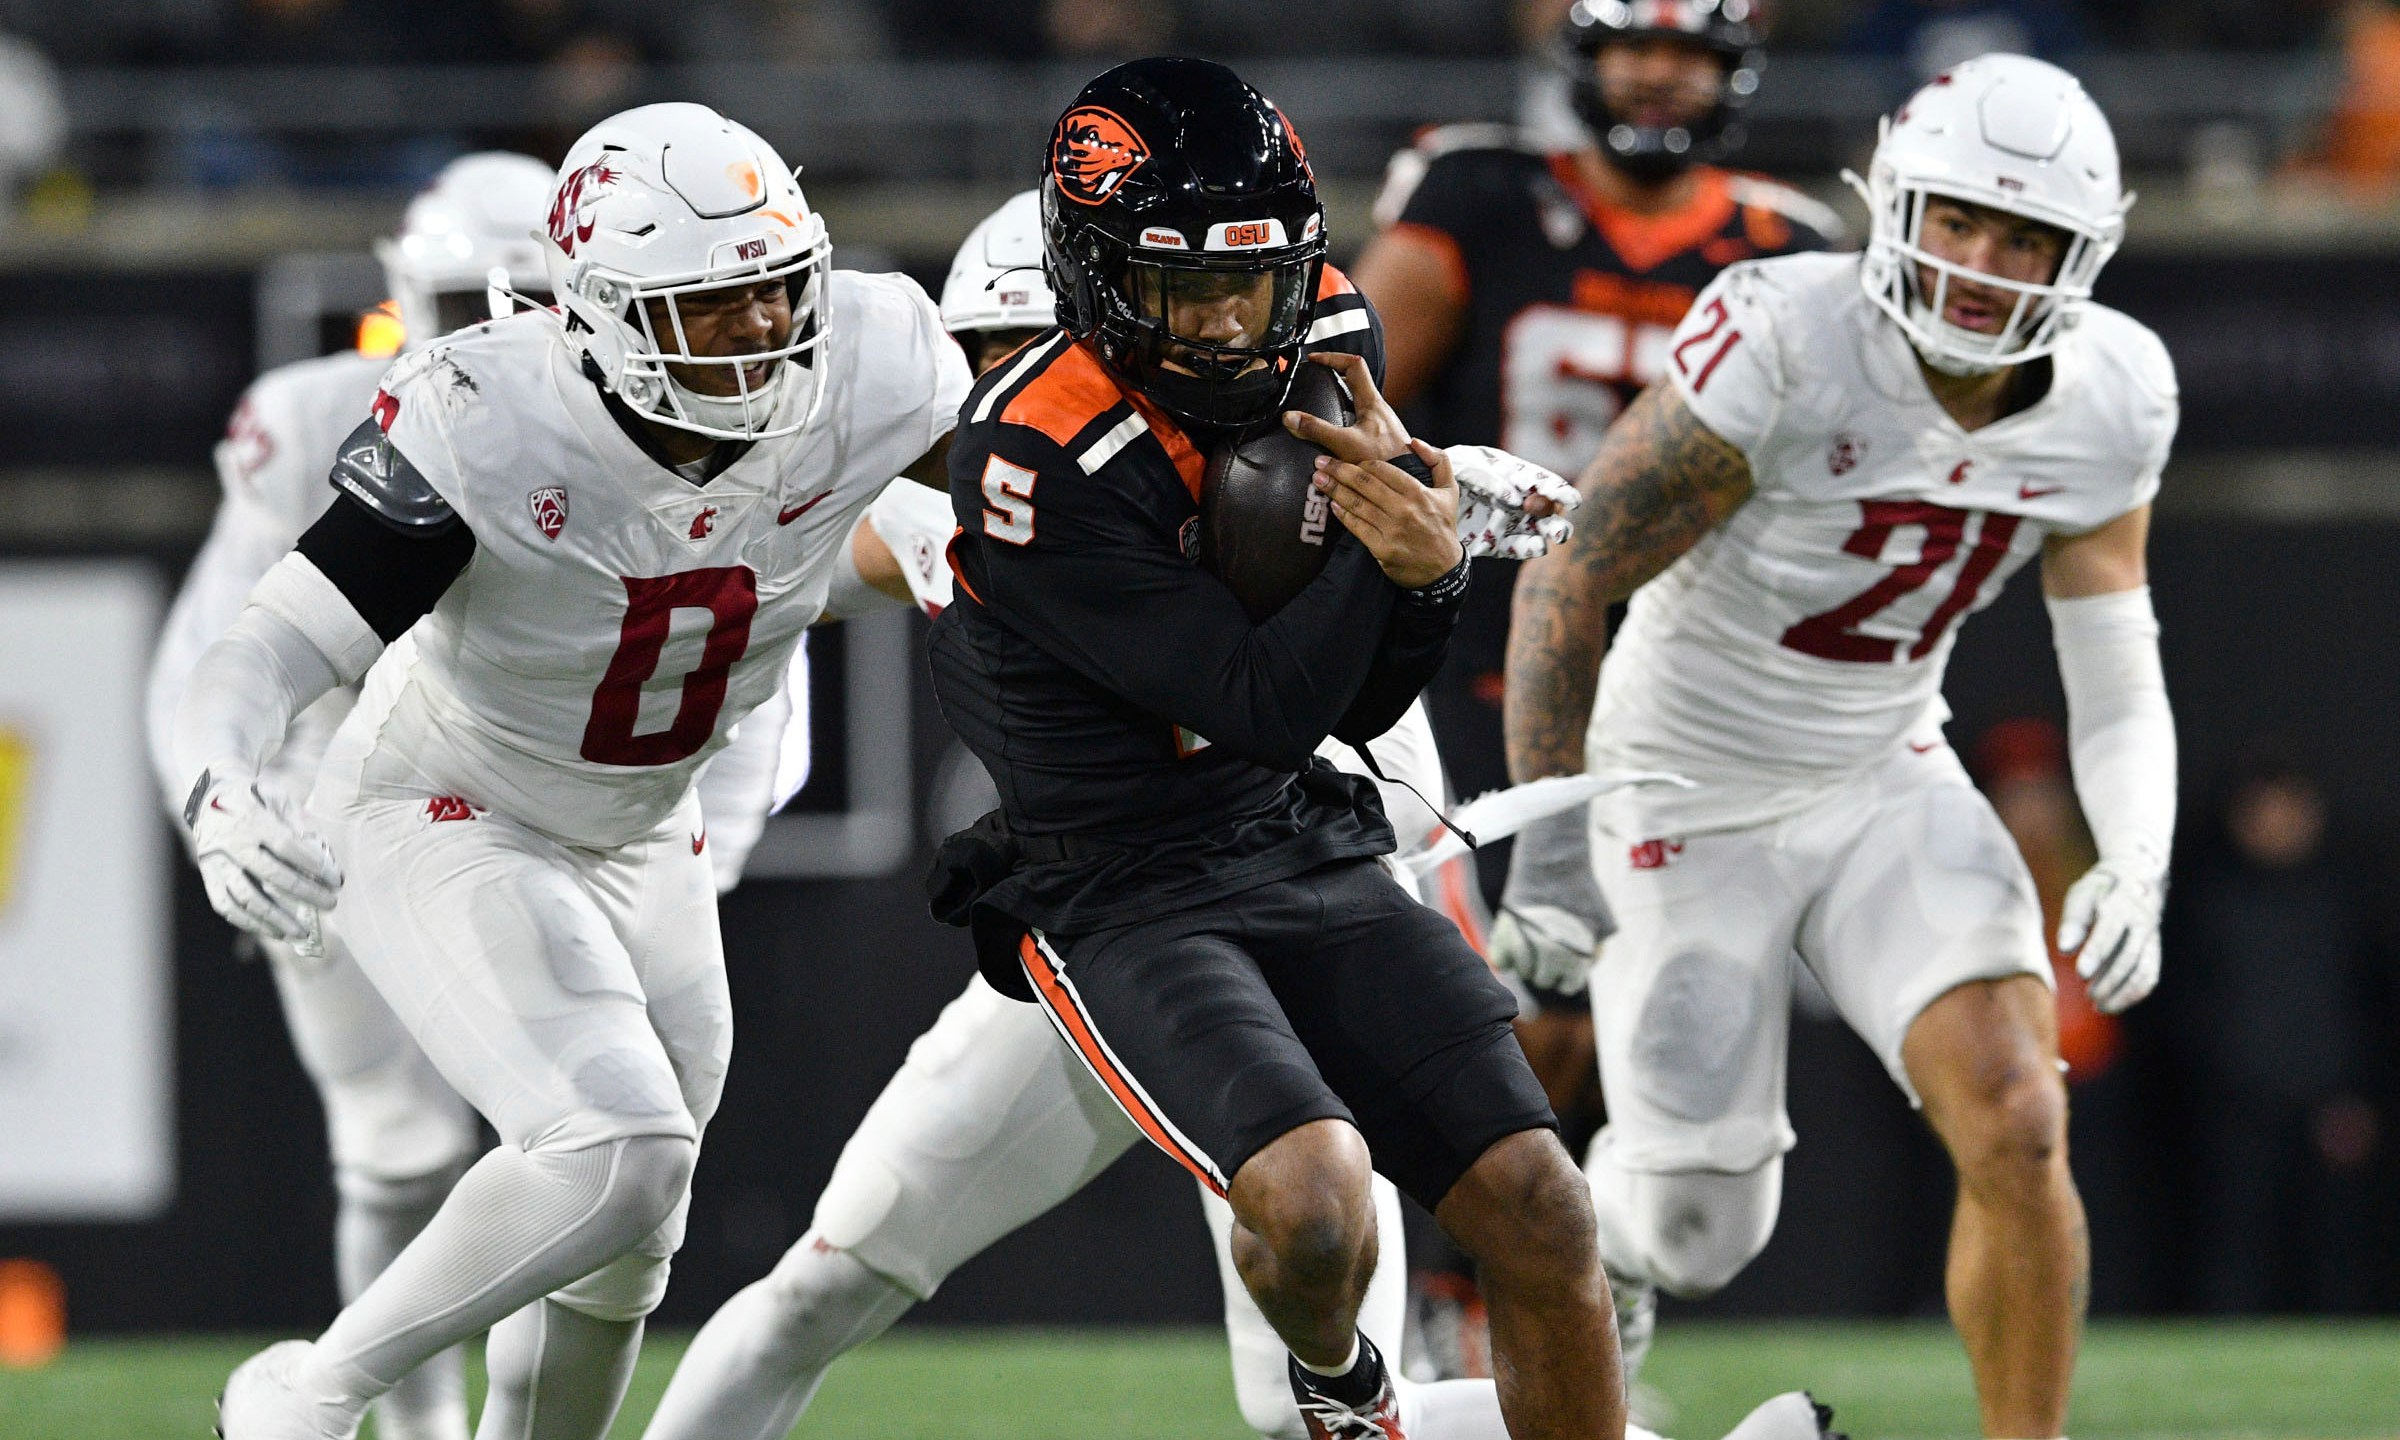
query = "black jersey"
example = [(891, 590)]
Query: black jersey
[(1569, 301), (1570, 304), (1122, 700)]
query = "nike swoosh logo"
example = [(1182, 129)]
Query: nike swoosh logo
[(699, 842), (1925, 749), (2036, 492), (786, 517)]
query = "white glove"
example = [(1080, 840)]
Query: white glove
[(1552, 915), (1493, 487), (264, 872), (2110, 924)]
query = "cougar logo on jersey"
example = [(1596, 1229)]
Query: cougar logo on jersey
[(450, 807), (1652, 854), (1093, 153), (567, 227), (702, 523), (549, 506), (1843, 456), (386, 409)]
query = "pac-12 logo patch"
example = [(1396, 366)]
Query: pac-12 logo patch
[(549, 506), (1188, 538), (1094, 152)]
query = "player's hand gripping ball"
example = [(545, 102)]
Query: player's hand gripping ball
[(1264, 527)]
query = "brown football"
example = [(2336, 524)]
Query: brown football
[(1264, 528)]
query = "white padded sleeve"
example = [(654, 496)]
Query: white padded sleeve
[(244, 543), (243, 693), (2120, 729)]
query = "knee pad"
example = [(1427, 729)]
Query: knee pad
[(826, 1300), (1688, 1232), (625, 1289)]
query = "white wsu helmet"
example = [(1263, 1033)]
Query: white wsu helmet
[(2014, 134), (996, 281), (665, 200), (480, 215)]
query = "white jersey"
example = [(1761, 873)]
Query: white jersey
[(272, 463), (1804, 638), (617, 619)]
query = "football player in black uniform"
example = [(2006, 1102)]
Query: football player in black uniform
[(1527, 295), (1193, 900)]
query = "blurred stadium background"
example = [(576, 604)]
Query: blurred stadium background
[(188, 190)]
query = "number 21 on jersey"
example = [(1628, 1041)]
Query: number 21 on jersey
[(1840, 633)]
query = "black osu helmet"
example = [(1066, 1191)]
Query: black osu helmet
[(1174, 194), (1655, 152)]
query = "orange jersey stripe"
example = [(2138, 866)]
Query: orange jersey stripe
[(1331, 282), (1065, 395), (1062, 1008), (1645, 242)]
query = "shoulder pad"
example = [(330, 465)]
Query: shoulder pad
[(1791, 204), (371, 471), (1407, 167)]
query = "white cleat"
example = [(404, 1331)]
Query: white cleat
[(261, 1402), (1793, 1415)]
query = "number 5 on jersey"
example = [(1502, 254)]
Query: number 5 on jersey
[(1007, 501)]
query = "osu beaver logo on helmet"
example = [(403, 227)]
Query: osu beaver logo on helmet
[(1093, 153)]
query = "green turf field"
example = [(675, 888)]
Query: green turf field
[(2287, 1381)]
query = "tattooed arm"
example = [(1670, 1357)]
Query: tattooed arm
[(1660, 482)]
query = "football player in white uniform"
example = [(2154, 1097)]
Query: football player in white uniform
[(398, 1133), (991, 1122), (604, 530), (1851, 454)]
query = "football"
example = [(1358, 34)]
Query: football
[(1263, 527)]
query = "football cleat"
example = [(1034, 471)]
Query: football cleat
[(1326, 1418), (1793, 1415), (262, 1402)]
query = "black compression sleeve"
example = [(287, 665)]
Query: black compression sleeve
[(390, 576)]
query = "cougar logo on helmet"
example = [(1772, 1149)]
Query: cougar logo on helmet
[(1093, 153), (566, 225)]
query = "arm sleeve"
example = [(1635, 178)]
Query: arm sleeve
[(2120, 730), (243, 694), (1726, 363), (243, 544), (1095, 588)]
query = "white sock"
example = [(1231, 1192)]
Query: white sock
[(557, 1374), (519, 1225), (756, 1364), (374, 1221), (1337, 1371)]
